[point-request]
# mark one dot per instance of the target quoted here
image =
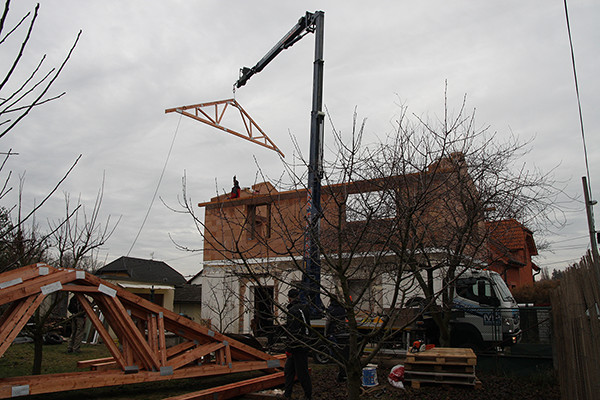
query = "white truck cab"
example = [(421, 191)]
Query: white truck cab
[(484, 310)]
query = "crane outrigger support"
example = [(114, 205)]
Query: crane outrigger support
[(212, 114)]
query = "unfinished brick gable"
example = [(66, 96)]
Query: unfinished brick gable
[(511, 248), (437, 208)]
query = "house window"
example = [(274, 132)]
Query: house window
[(259, 220), (370, 205)]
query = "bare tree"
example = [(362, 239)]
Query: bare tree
[(401, 221), (220, 302), (21, 92), (78, 237), (24, 94)]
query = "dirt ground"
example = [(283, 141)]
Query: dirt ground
[(540, 386)]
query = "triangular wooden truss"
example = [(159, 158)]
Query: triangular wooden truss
[(140, 327), (212, 113)]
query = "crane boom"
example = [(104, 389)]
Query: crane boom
[(309, 23), (305, 25)]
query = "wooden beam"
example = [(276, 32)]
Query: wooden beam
[(235, 389), (23, 274), (194, 354), (106, 338), (162, 342), (8, 313), (88, 363), (50, 383), (34, 286), (253, 132), (152, 333), (26, 311), (122, 310)]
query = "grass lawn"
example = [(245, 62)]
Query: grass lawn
[(18, 361)]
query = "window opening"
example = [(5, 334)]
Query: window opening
[(374, 205)]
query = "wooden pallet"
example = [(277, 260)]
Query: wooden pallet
[(457, 369), (450, 366), (443, 355), (416, 383)]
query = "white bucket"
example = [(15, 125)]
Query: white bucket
[(369, 376)]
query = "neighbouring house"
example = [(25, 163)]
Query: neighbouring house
[(254, 243), (150, 279), (511, 248), (188, 301)]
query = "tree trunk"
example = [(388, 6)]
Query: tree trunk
[(38, 348), (354, 372)]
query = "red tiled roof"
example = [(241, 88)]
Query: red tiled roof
[(510, 233)]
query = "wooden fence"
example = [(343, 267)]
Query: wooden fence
[(576, 313)]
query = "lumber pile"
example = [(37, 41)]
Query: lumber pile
[(140, 327), (441, 365)]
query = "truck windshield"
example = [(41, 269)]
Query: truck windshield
[(504, 293)]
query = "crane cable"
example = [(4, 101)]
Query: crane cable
[(162, 174), (587, 168)]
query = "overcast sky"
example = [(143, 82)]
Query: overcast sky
[(137, 58)]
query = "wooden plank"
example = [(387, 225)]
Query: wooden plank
[(182, 326), (194, 354), (28, 308), (50, 383), (104, 366), (102, 331), (88, 363), (80, 288), (133, 335), (23, 273), (16, 310), (147, 352), (438, 376), (152, 335), (180, 348), (439, 368), (228, 359), (8, 313), (33, 286), (235, 389), (162, 342)]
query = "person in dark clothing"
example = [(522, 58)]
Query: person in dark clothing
[(77, 326), (296, 364), (336, 330), (235, 190)]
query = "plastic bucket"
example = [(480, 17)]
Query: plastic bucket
[(369, 376)]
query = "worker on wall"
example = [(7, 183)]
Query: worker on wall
[(235, 190)]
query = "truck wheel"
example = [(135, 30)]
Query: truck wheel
[(322, 355), (465, 337)]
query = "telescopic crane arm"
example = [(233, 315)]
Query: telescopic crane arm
[(305, 25), (309, 23)]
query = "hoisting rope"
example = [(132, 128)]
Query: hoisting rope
[(162, 174)]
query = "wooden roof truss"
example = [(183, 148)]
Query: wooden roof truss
[(140, 326), (212, 114)]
